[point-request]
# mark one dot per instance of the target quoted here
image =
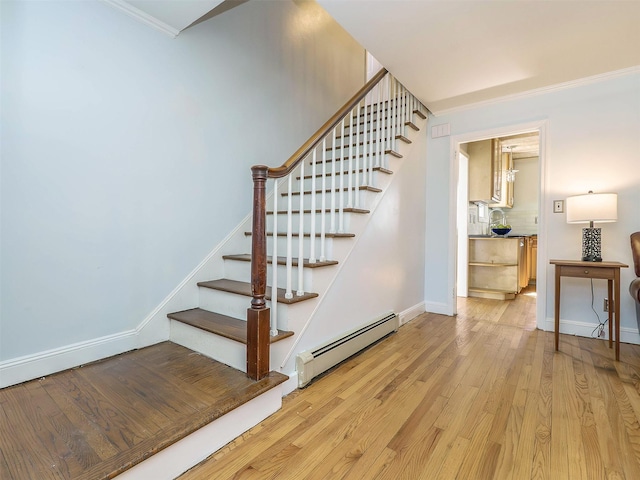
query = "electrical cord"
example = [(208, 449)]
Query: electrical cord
[(600, 327)]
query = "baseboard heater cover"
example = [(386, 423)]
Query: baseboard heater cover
[(311, 363)]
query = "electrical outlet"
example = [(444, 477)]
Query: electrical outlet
[(606, 305), (558, 206)]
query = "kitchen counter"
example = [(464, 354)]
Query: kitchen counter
[(497, 269), (511, 235)]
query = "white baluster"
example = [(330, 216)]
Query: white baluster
[(323, 216), (274, 263), (366, 150), (341, 195), (372, 144), (333, 183), (300, 290), (387, 108), (312, 248), (379, 146), (289, 293), (357, 173), (350, 165), (394, 113), (402, 110)]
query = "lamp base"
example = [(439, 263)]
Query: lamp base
[(591, 245)]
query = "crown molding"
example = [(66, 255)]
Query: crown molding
[(541, 91), (143, 17)]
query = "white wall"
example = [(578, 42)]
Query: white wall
[(385, 270), (126, 154), (592, 142)]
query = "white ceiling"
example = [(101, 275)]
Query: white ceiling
[(453, 54)]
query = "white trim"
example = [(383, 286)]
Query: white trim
[(143, 17), (184, 454), (584, 329), (186, 283), (541, 276), (440, 308), (540, 91), (28, 367), (411, 313), (291, 384)]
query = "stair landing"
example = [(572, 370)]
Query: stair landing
[(99, 420)]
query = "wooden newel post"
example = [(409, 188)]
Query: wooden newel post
[(258, 316)]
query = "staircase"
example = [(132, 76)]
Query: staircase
[(319, 210), (321, 201)]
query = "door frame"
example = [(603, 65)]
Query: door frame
[(454, 148)]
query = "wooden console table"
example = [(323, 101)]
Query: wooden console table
[(609, 271)]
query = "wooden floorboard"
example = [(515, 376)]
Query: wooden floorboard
[(479, 396), (96, 421)]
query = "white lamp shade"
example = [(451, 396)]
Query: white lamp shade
[(592, 207)]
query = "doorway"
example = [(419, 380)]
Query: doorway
[(527, 218)]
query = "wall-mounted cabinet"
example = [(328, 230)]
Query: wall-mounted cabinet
[(485, 171), (506, 185)]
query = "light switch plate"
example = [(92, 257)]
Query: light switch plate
[(558, 206)]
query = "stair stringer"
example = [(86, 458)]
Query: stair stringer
[(345, 302)]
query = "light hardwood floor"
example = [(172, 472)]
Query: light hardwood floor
[(479, 396)]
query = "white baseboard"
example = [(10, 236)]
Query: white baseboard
[(291, 384), (184, 454), (440, 308), (585, 329), (411, 313), (21, 369)]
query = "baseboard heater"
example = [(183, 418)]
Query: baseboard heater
[(311, 363)]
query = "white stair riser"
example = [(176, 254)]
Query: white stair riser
[(329, 246), (366, 197), (241, 271), (329, 249), (219, 348), (306, 221), (362, 178), (234, 305)]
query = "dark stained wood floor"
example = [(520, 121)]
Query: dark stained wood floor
[(95, 421)]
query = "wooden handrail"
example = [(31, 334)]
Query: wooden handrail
[(258, 314), (316, 138)]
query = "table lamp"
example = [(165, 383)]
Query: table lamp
[(590, 208)]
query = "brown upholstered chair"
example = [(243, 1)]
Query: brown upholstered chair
[(634, 288)]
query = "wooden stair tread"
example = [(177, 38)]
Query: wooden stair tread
[(361, 155), (346, 172), (361, 187), (327, 210), (420, 114), (398, 136), (412, 125), (361, 144), (296, 234), (246, 257), (244, 288), (219, 324)]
